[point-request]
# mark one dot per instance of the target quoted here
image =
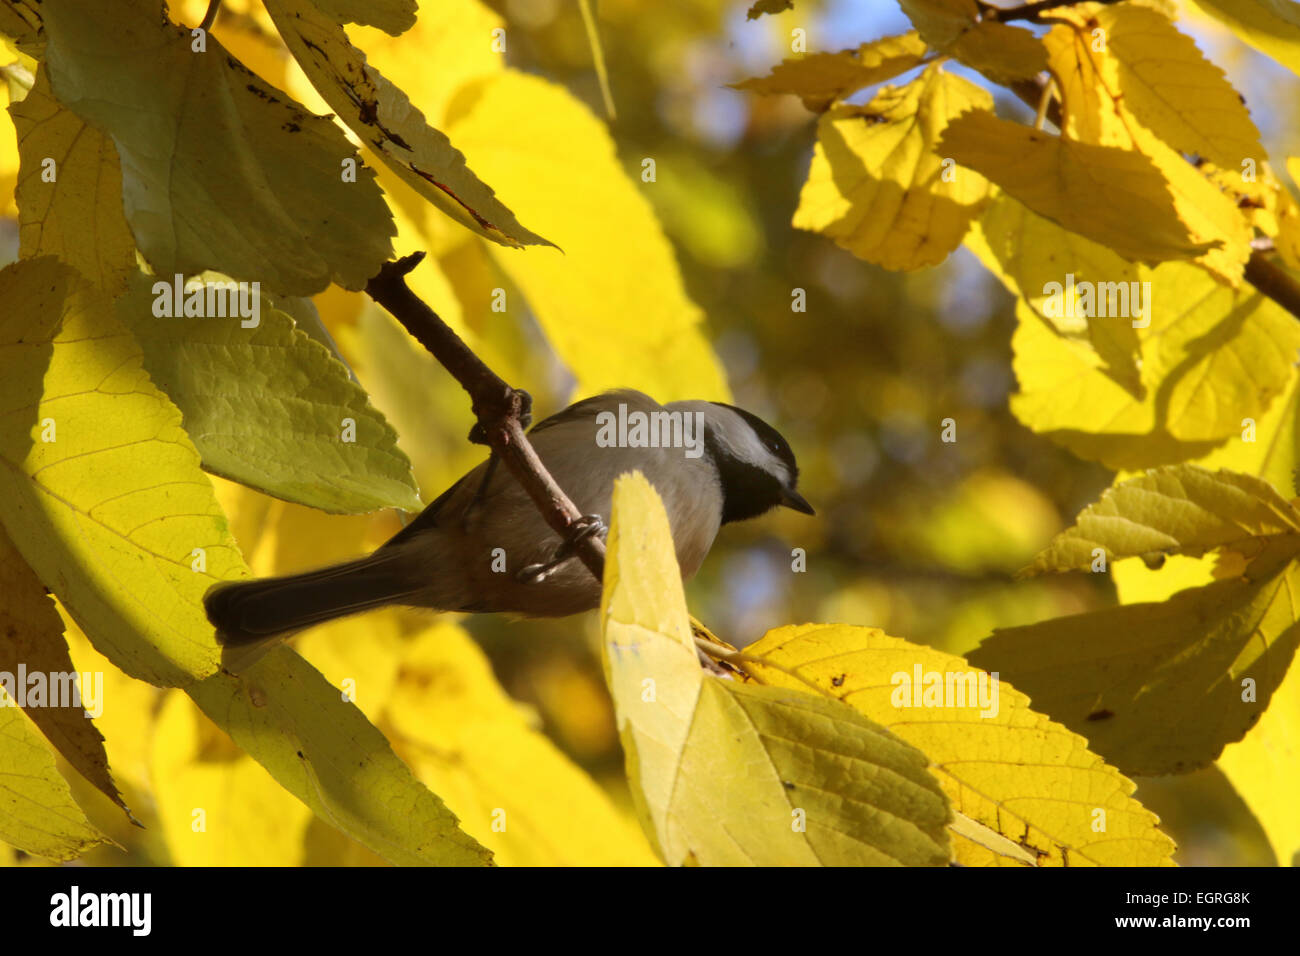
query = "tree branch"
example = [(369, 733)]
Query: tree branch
[(502, 412), (1031, 12), (1270, 279)]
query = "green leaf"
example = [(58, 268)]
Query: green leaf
[(322, 749), (267, 406), (220, 170)]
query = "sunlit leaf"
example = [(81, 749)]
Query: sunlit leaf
[(1160, 77), (1038, 260), (821, 78), (321, 748), (100, 488), (729, 773), (1210, 358), (1113, 196), (73, 208), (1098, 111), (877, 186), (383, 117), (1001, 763), (1270, 26)]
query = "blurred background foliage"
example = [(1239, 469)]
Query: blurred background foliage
[(916, 536)]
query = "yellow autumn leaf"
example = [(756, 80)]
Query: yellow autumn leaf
[(434, 38), (1179, 509), (1287, 239), (1264, 768), (877, 186), (319, 746), (726, 773), (819, 79), (616, 312), (1000, 51), (37, 812), (941, 22), (1163, 80), (1264, 203), (555, 163), (127, 725), (1162, 687), (1270, 26), (1038, 261), (9, 159), (1001, 763), (391, 16), (220, 171), (1269, 445), (100, 487), (31, 642), (77, 214), (1113, 196), (1210, 358), (1097, 112), (511, 787), (217, 806), (382, 116)]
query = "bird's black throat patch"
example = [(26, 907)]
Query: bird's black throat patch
[(747, 490)]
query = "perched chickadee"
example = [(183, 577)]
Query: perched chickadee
[(711, 463)]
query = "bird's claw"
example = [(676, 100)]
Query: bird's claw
[(579, 530)]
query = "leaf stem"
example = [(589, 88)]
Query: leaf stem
[(210, 17)]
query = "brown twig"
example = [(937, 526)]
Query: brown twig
[(502, 412), (1273, 281), (1032, 12)]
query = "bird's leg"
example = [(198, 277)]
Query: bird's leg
[(583, 528)]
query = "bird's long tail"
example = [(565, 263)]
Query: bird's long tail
[(251, 612)]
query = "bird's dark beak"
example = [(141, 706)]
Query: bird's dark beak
[(793, 500)]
